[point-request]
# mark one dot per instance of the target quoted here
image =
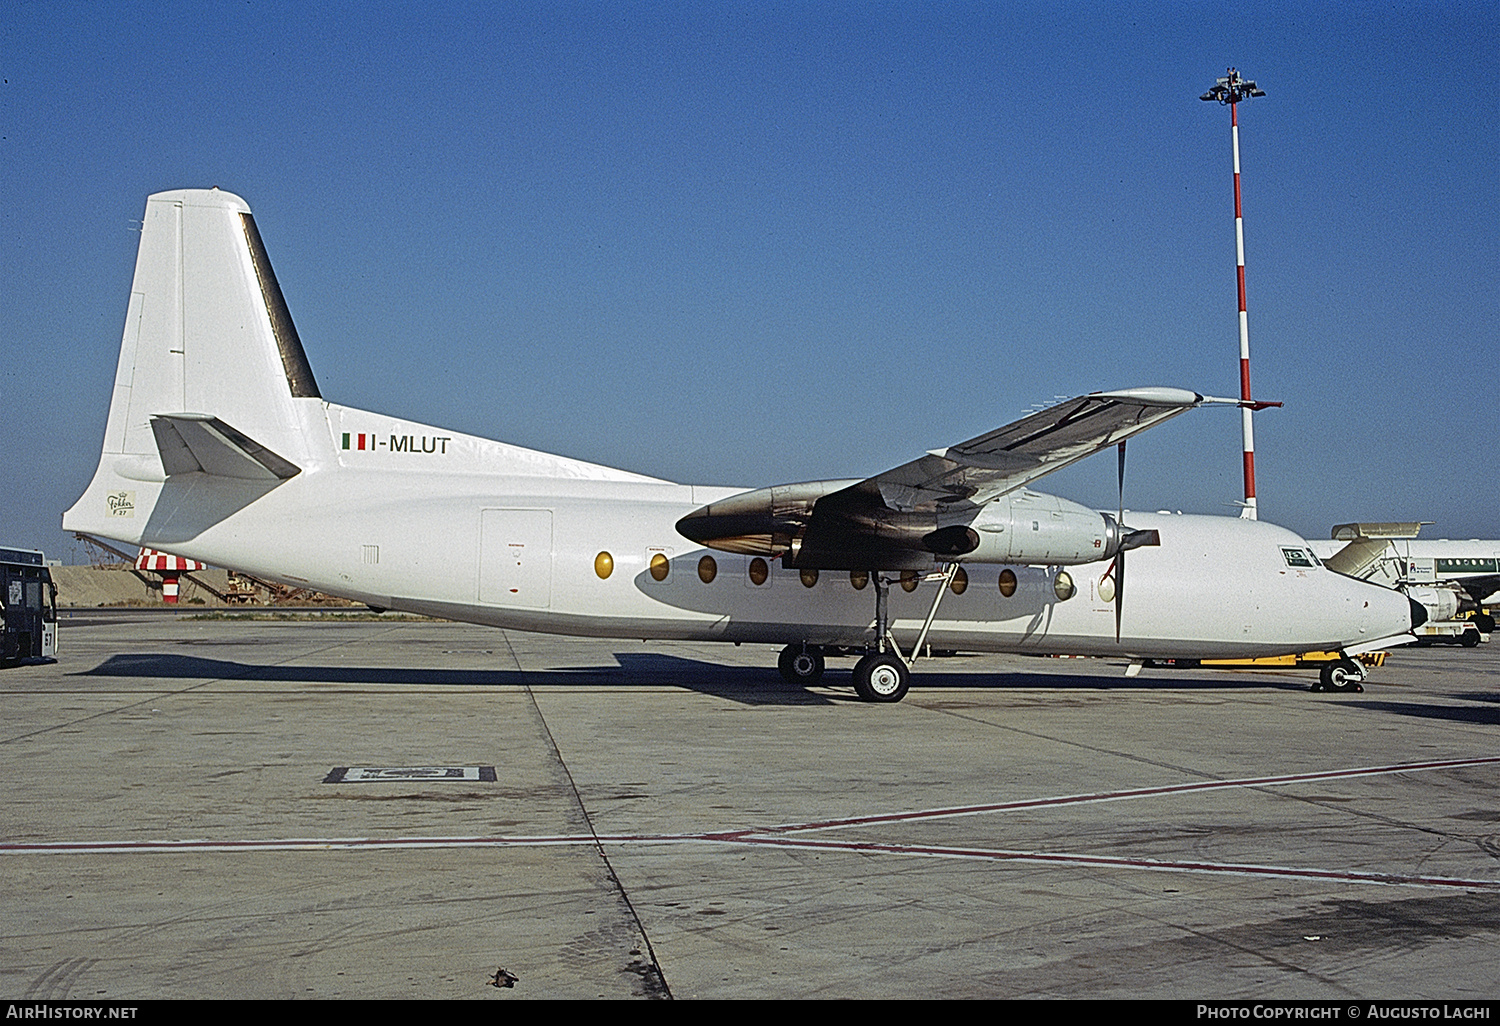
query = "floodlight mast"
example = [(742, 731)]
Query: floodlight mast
[(1229, 91)]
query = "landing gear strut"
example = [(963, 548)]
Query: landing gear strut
[(884, 674)]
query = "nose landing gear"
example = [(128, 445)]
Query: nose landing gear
[(1346, 675)]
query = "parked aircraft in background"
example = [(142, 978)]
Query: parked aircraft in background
[(220, 447), (1452, 580)]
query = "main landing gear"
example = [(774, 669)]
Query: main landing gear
[(801, 664), (881, 677), (878, 676), (882, 674)]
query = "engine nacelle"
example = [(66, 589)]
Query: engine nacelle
[(1030, 527), (1442, 602), (859, 531)]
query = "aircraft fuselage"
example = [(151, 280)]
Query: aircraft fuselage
[(522, 551)]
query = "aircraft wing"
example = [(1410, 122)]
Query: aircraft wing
[(857, 522), (973, 472), (1480, 588)]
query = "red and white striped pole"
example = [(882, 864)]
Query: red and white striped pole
[(1231, 90), (1246, 415)]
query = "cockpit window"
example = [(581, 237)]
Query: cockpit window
[(1296, 557)]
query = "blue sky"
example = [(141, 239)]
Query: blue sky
[(750, 243)]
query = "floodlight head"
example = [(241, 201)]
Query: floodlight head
[(1232, 89)]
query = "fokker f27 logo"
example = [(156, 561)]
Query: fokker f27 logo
[(361, 442)]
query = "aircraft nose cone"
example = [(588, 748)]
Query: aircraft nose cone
[(1418, 613), (1376, 613)]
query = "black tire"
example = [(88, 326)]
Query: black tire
[(800, 664), (1343, 676), (1485, 622), (1468, 639), (879, 677)]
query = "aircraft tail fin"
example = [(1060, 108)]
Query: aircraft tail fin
[(212, 377), (207, 330)]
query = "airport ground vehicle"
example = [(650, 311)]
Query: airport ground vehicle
[(28, 599)]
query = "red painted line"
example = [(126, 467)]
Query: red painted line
[(1118, 862), (285, 844), (1143, 792)]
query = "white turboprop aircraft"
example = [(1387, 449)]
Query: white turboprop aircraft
[(220, 448)]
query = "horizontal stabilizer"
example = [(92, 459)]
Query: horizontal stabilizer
[(197, 443), (1354, 532)]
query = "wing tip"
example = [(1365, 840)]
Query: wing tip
[(1153, 395)]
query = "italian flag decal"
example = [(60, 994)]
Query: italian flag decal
[(361, 441)]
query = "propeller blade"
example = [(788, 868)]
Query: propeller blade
[(1121, 517), (1119, 590), (1119, 570), (1139, 539)]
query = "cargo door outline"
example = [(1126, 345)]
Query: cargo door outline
[(515, 557)]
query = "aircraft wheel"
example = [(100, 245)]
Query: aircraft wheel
[(1344, 676), (800, 664), (879, 677)]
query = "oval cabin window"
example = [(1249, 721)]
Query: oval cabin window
[(1007, 582)]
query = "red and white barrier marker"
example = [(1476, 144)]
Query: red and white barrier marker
[(171, 569)]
